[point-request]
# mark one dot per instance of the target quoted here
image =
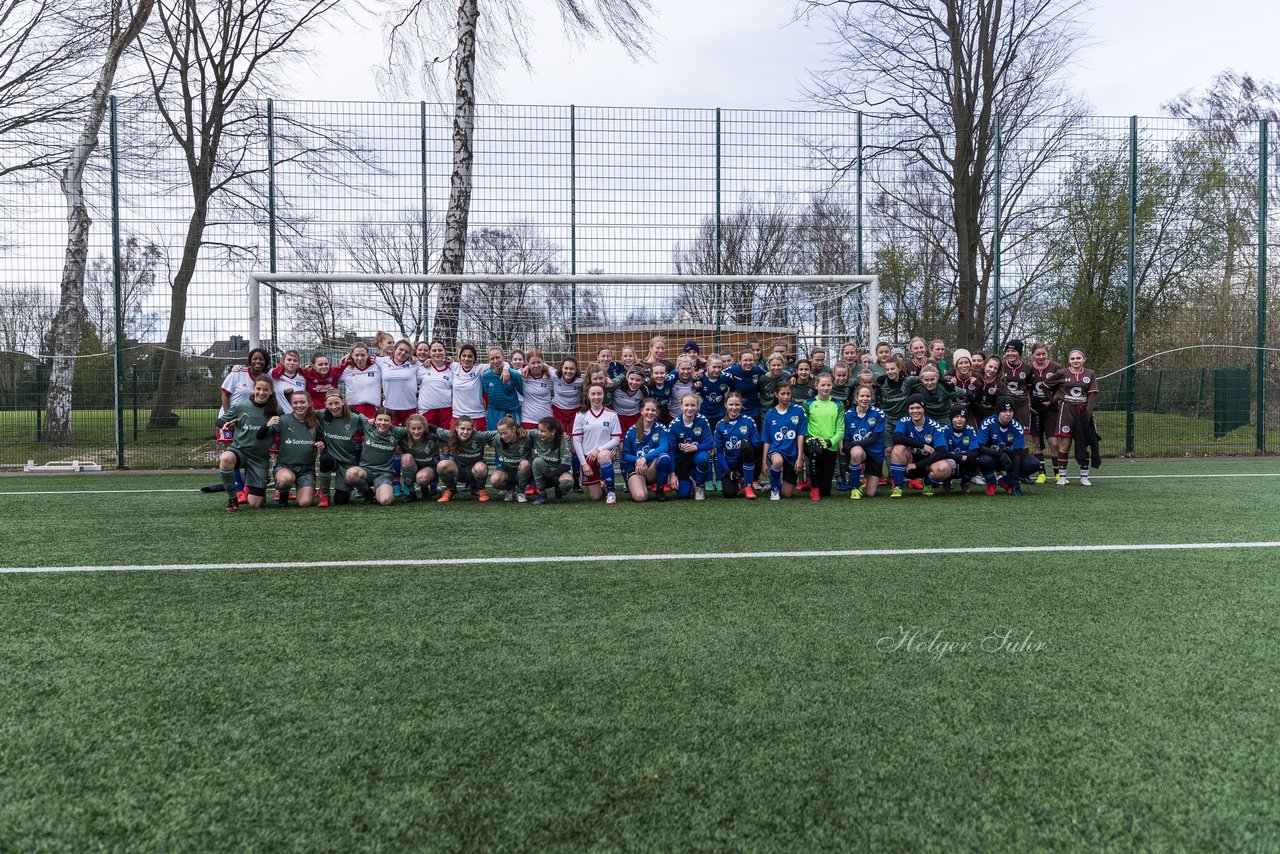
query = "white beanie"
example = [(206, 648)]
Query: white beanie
[(957, 355)]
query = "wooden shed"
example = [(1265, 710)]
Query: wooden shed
[(592, 338)]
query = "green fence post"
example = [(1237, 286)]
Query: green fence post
[(719, 259), (271, 219), (1131, 372), (133, 370), (857, 214), (995, 344), (1260, 392), (573, 228), (117, 288), (426, 245)]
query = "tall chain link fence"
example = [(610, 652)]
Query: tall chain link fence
[(1141, 241)]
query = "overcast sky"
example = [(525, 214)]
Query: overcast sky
[(748, 53)]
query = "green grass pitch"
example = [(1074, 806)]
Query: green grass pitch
[(744, 703)]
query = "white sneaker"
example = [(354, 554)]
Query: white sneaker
[(775, 495), (508, 496), (610, 498), (1062, 480), (978, 480), (1084, 480), (699, 493), (521, 498)]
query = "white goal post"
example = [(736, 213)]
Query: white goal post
[(786, 288)]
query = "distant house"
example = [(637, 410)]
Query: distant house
[(235, 347)]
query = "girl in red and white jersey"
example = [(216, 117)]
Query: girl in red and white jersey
[(435, 387), (400, 382), (596, 436), (629, 398), (566, 389), (286, 378), (362, 378), (468, 399), (539, 389), (321, 379)]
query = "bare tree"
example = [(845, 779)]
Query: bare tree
[(140, 262), (24, 319), (45, 66), (122, 25), (756, 238), (513, 314), (413, 32), (205, 63), (321, 314), (398, 248), (945, 71)]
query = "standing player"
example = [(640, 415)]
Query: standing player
[(712, 388), (399, 383), (784, 429), (864, 428), (1076, 394), (691, 443), (435, 388), (502, 386), (251, 447), (646, 455), (736, 442), (1042, 370), (803, 389), (744, 377), (659, 388), (468, 399), (825, 428), (566, 402), (596, 436), (538, 390), (768, 382), (362, 379), (299, 437), (1016, 375), (628, 397), (286, 378)]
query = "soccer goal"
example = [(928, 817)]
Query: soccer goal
[(565, 314)]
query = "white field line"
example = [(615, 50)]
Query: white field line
[(196, 489), (540, 559)]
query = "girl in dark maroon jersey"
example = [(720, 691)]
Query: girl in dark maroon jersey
[(1075, 393), (1042, 368), (990, 389)]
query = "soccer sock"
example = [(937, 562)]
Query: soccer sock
[(540, 473), (663, 467), (284, 497), (685, 489), (229, 480), (358, 483), (701, 468), (239, 479), (522, 479), (395, 468), (325, 482), (748, 471), (775, 479), (855, 475), (606, 476), (450, 480), (1060, 463), (897, 473), (408, 474), (1084, 471), (564, 485)]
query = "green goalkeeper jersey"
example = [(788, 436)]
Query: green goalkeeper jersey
[(826, 421)]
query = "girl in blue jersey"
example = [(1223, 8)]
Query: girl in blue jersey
[(646, 455), (744, 377), (691, 444), (659, 388), (736, 442), (784, 428), (962, 445), (919, 450), (864, 429)]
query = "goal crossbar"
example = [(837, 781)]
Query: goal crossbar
[(258, 279)]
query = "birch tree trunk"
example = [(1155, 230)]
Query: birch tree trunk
[(69, 321), (453, 253)]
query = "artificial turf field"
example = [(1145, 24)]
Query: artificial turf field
[(746, 702)]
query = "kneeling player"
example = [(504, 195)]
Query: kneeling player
[(919, 450), (422, 447), (1002, 443), (784, 428), (962, 446), (646, 455), (736, 443), (691, 444), (864, 443)]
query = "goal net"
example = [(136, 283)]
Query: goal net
[(564, 315)]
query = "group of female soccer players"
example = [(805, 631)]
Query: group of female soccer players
[(404, 421)]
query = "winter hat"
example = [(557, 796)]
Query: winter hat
[(1014, 344), (957, 355)]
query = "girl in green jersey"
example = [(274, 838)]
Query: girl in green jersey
[(376, 459), (249, 450), (513, 446), (339, 427), (300, 439), (422, 445), (552, 461), (465, 460)]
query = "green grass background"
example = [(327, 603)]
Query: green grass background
[(672, 705)]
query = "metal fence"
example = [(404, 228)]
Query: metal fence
[(1141, 240)]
